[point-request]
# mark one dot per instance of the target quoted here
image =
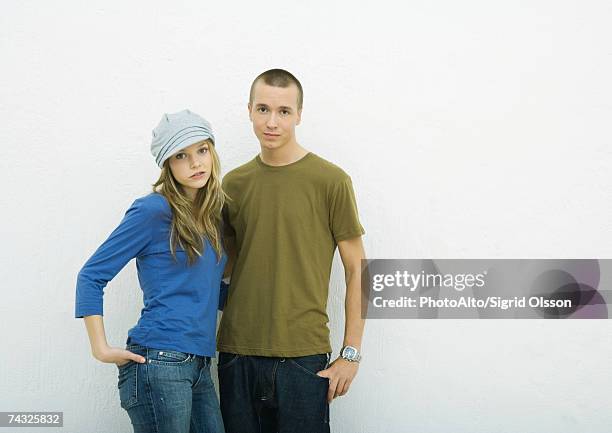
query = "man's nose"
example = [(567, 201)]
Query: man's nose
[(271, 122)]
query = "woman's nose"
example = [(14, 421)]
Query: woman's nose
[(195, 162)]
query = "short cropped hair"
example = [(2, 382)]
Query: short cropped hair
[(279, 78)]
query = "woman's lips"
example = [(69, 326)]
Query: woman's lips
[(199, 175)]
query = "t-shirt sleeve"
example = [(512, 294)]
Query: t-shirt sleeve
[(127, 241), (344, 218), (228, 230)]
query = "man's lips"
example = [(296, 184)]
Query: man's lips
[(269, 134)]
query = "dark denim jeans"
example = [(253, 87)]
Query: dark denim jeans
[(273, 395), (172, 392)]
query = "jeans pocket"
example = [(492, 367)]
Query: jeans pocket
[(168, 357), (134, 348), (226, 360), (122, 366), (128, 384), (310, 364)]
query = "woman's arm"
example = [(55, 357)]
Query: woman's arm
[(100, 348), (127, 241)]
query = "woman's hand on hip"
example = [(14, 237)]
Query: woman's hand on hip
[(117, 356)]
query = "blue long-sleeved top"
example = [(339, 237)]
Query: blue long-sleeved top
[(180, 301)]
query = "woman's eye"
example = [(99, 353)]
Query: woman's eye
[(180, 155), (204, 150), (284, 112)]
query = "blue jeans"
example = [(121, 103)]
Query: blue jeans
[(172, 392), (273, 395)]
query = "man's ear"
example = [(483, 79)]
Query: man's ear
[(249, 107), (299, 116)]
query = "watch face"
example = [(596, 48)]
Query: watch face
[(349, 352)]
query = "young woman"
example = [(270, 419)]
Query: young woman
[(164, 376)]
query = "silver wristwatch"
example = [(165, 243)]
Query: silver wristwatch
[(350, 353)]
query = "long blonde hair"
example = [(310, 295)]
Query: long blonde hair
[(192, 221)]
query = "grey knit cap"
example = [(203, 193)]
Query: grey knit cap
[(177, 131)]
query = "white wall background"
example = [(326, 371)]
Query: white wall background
[(471, 129)]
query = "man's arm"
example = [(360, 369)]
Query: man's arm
[(351, 253), (342, 372), (229, 243)]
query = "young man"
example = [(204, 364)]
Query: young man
[(288, 210)]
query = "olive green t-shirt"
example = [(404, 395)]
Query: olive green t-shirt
[(286, 222)]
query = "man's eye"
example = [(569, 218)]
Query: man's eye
[(262, 109), (285, 113)]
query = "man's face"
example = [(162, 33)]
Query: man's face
[(274, 114)]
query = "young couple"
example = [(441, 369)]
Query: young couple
[(276, 222)]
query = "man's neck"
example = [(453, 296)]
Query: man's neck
[(284, 155)]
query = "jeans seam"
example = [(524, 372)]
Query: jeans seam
[(197, 382), (149, 392), (274, 379), (133, 397), (134, 346)]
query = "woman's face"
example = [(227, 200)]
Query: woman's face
[(191, 167)]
